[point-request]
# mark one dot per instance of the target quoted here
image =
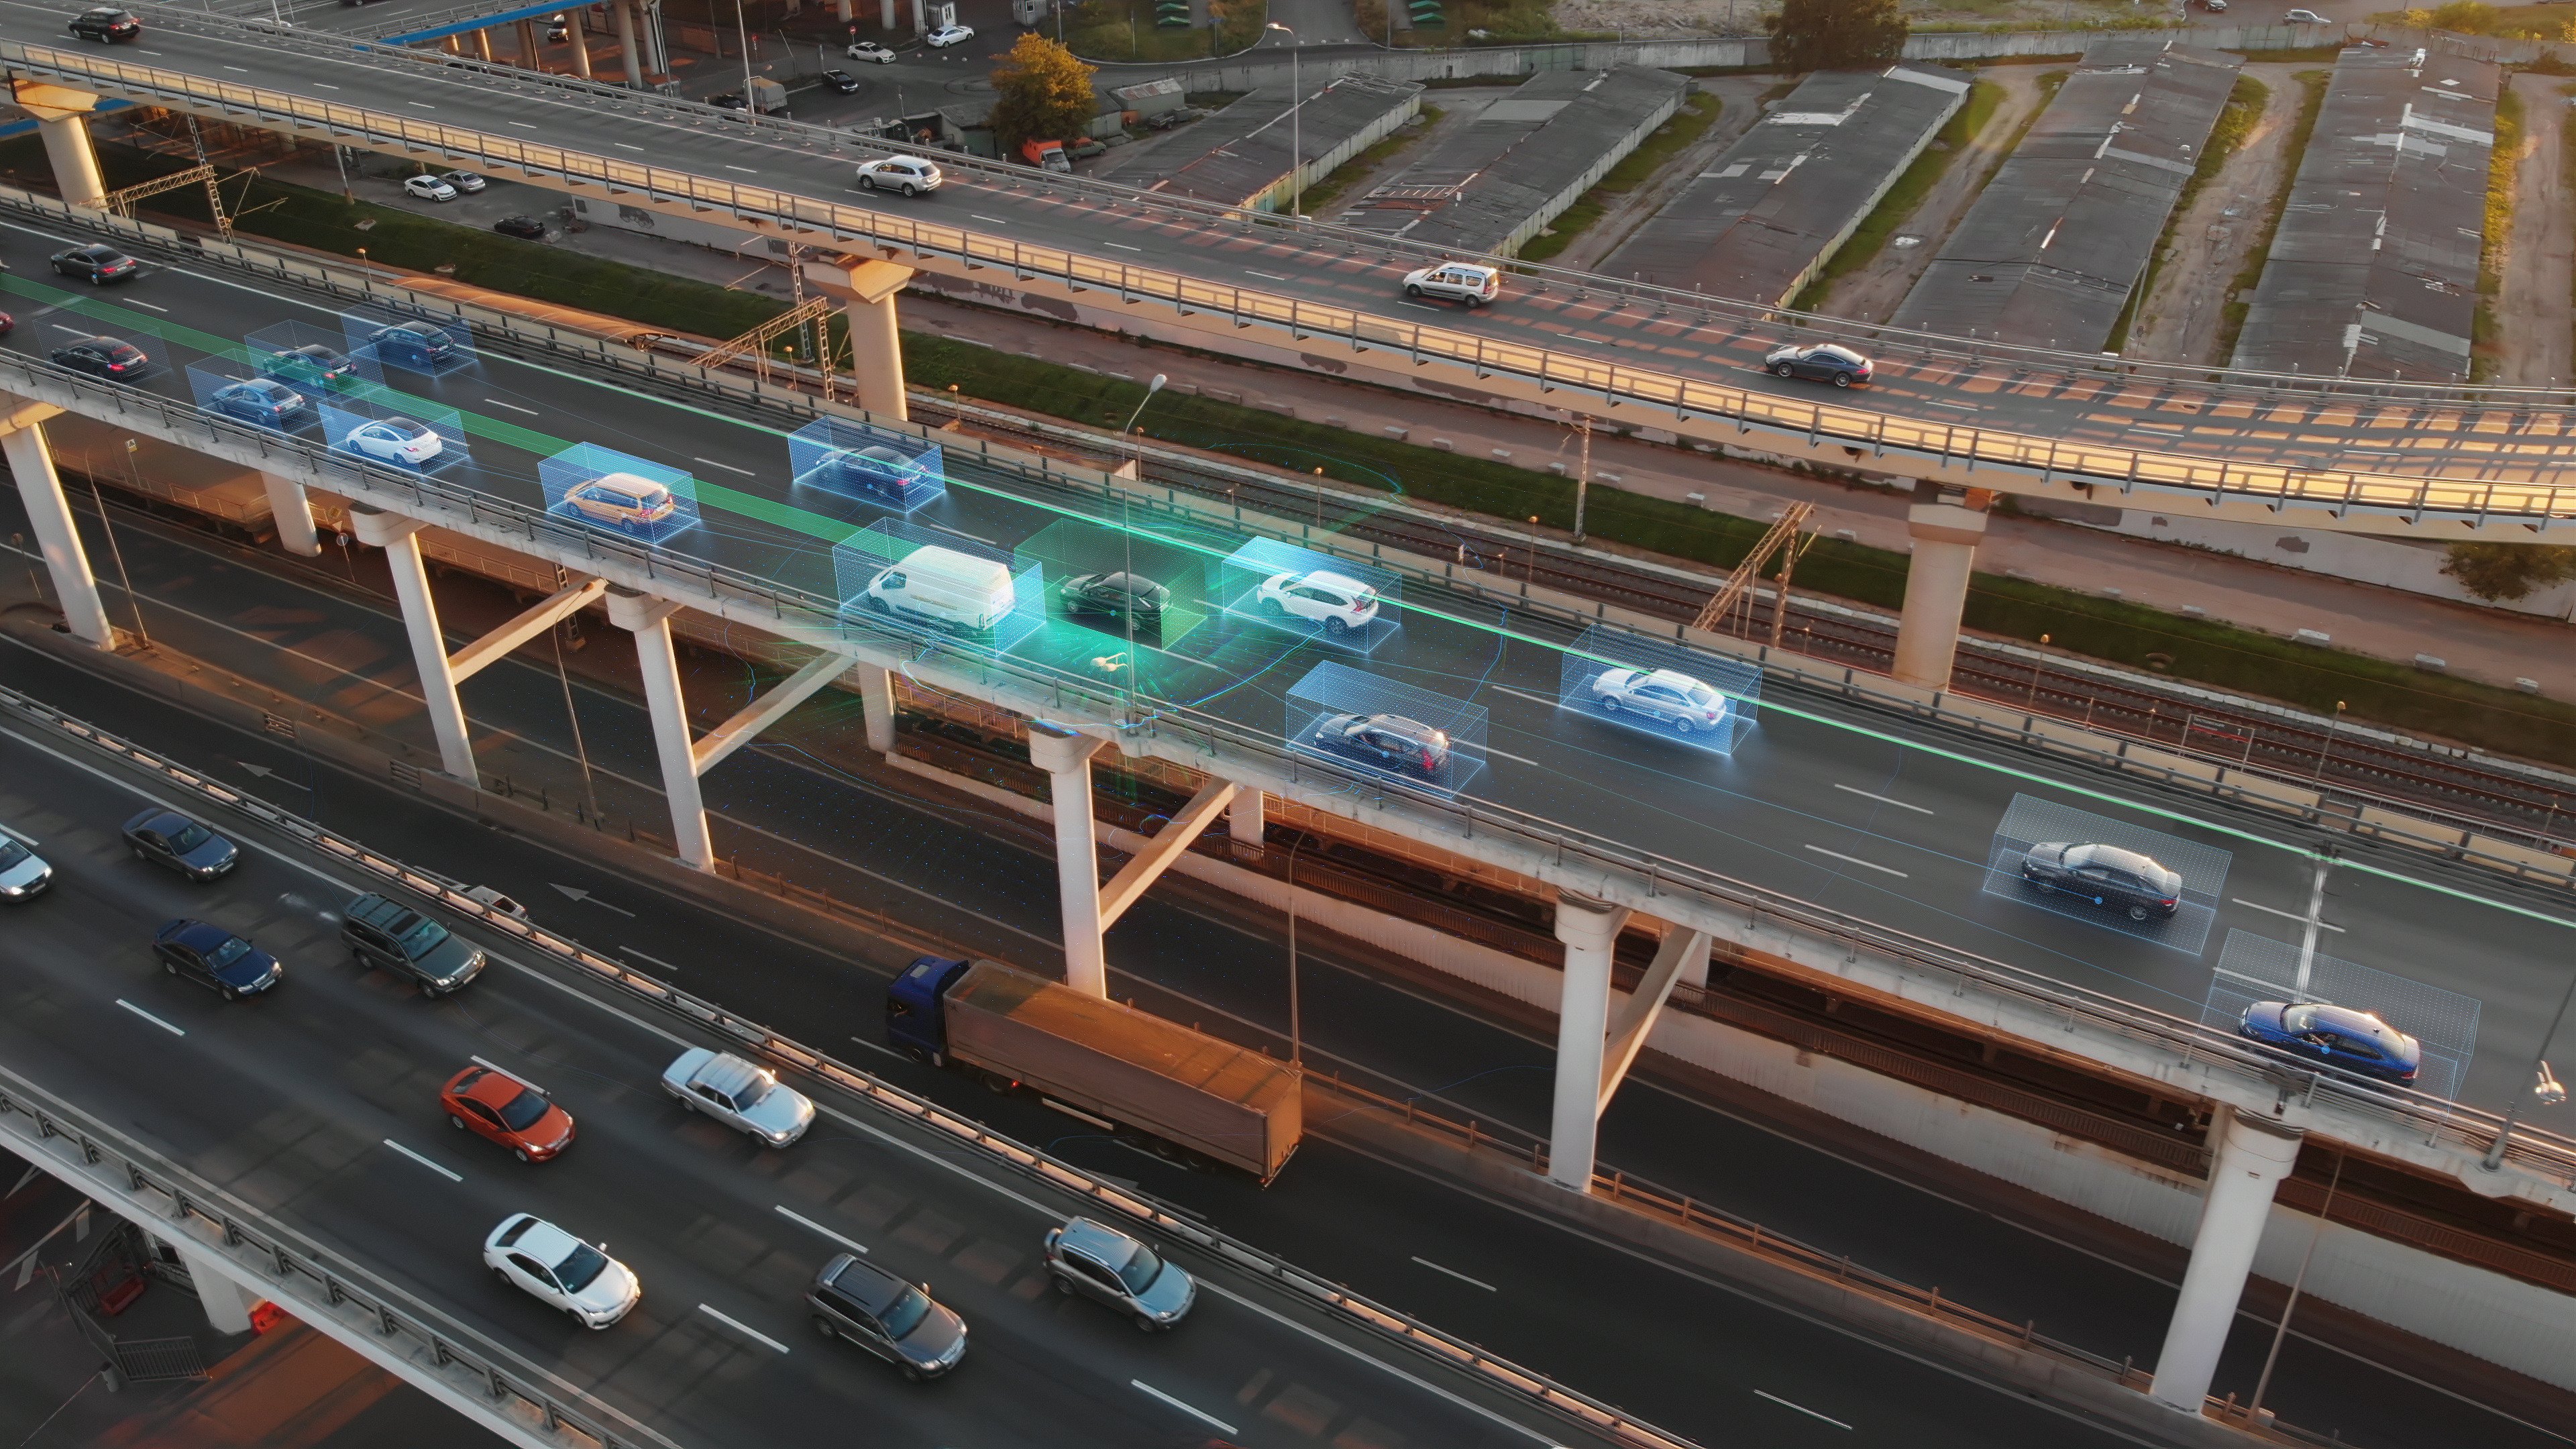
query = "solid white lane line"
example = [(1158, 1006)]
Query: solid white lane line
[(1273, 276), (728, 467), (424, 105), (995, 220), (317, 85), (1461, 1277), (514, 407), (632, 954), (1883, 800), (801, 1220), (1202, 1415), (147, 306), (148, 1016), (1863, 864), (425, 1162), (2284, 915), (1801, 1408), (522, 125), (622, 146), (1122, 246), (745, 1329), (747, 171)]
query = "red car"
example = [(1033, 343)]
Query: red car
[(494, 1104)]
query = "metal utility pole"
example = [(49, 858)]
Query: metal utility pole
[(133, 600), (2543, 1086), (1127, 535), (2281, 1330), (1296, 126), (1296, 1034), (1582, 472)]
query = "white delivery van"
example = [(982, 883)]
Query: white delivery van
[(945, 587)]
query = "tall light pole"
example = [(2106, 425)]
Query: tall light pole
[(1296, 1032), (1582, 472), (2543, 1085), (742, 37), (1127, 535), (1296, 128)]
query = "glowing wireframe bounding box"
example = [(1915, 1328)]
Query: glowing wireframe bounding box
[(1085, 563), (312, 360), (411, 340), (619, 492), (1700, 699), (1386, 729), (2032, 820), (961, 587), (2254, 968), (1310, 594), (883, 466), (242, 395), (420, 436)]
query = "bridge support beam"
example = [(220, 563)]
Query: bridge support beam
[(876, 706), (1945, 536), (649, 620), (2246, 1165), (292, 512), (579, 37), (868, 288), (624, 11), (62, 117), (1244, 819), (1066, 757), (483, 45), (399, 537), (1589, 929), (49, 513), (227, 1303), (529, 55)]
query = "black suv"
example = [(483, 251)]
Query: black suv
[(396, 938), (106, 23), (2135, 885), (859, 1302)]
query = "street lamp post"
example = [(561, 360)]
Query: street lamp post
[(1296, 127), (1127, 533), (1296, 1033), (2542, 1084)]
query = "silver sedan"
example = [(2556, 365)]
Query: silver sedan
[(742, 1096)]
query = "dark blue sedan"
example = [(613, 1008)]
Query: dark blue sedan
[(261, 400), (214, 957), (174, 842), (2334, 1036)]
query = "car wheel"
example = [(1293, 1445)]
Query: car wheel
[(504, 1277), (138, 854), (1411, 290), (1842, 379), (910, 1373), (455, 1121), (2137, 913), (229, 993), (170, 966), (1145, 1324), (824, 1327), (1336, 627), (1062, 1283), (1681, 726), (1783, 370), (575, 1315), (520, 1153), (1272, 607), (908, 189), (867, 183)]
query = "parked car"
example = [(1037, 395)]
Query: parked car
[(498, 1107), (24, 875), (1821, 362), (2304, 17), (948, 35), (1118, 595), (387, 935), (2336, 1036), (525, 227), (876, 470), (2215, 7), (2121, 880), (310, 365), (214, 957), (413, 345), (871, 52), (1664, 695), (553, 1266), (1336, 601), (106, 357), (858, 1302), (1468, 282), (428, 188), (106, 24), (257, 400), (841, 81), (1386, 741), (1099, 1262), (394, 440), (174, 842), (729, 101), (742, 1096), (465, 181), (907, 174), (96, 263), (622, 499)]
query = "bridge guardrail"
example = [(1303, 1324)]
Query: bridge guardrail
[(1388, 1324)]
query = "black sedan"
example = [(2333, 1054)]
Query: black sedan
[(214, 957), (172, 841), (1824, 362), (1386, 741), (103, 357), (525, 227), (97, 263), (2135, 885), (1116, 595), (841, 81)]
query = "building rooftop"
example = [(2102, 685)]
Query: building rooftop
[(1243, 151)]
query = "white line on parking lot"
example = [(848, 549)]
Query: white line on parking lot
[(728, 467), (801, 1220), (148, 1016), (514, 407), (2284, 915), (425, 1162), (1201, 1415), (1461, 1277), (1883, 800), (1801, 1408), (1856, 860), (745, 1329)]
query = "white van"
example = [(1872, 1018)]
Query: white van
[(945, 587)]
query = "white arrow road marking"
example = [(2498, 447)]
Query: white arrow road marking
[(576, 893)]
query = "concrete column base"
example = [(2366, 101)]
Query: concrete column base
[(1066, 757), (1936, 590), (49, 515), (1589, 929), (633, 59), (2249, 1158), (73, 158), (867, 289), (580, 39), (227, 1303), (292, 513), (399, 537), (649, 620), (1244, 821), (876, 706)]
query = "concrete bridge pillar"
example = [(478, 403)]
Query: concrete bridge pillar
[(1589, 929), (62, 118), (227, 1303), (649, 620), (1066, 757), (49, 514), (2246, 1165), (624, 11), (580, 39), (292, 512), (1945, 536), (483, 45), (1244, 821), (529, 55), (876, 706), (868, 288), (399, 537)]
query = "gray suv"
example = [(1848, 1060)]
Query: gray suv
[(1099, 1262), (897, 1321), (390, 936)]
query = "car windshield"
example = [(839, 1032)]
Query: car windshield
[(11, 853), (1140, 1269), (523, 1111), (905, 1313), (581, 1267), (227, 953), (419, 936), (189, 836), (751, 1094), (2299, 1019)]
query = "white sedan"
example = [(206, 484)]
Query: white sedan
[(948, 35), (549, 1264), (1665, 695), (741, 1096), (1336, 601), (870, 51), (394, 440), (429, 188), (907, 174)]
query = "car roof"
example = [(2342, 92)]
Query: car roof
[(546, 1243), (1331, 580), (625, 483), (1676, 679), (2365, 1023), (1835, 349), (872, 1287), (726, 1073), (1107, 1244), (1399, 723), (493, 1088), (200, 934), (2118, 859), (157, 819), (309, 349)]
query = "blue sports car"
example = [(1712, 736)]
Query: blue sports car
[(2334, 1036)]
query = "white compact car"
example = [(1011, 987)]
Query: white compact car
[(429, 188), (551, 1265), (465, 181), (394, 440), (948, 35), (870, 51), (23, 873), (741, 1096), (1665, 695), (1337, 602), (1456, 282), (907, 174)]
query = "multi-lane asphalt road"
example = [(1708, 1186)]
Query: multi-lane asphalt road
[(2503, 443)]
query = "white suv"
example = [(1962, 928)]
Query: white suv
[(1457, 282), (907, 174), (1337, 602)]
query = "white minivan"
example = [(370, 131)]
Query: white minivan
[(944, 587)]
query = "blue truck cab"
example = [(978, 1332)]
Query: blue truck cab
[(916, 1007)]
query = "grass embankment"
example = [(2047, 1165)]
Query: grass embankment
[(2505, 22), (2226, 137), (2208, 653), (1871, 236), (1364, 165), (2486, 343), (2231, 318), (1504, 22), (1128, 30), (1698, 112)]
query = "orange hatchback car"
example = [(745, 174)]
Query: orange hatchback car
[(494, 1104)]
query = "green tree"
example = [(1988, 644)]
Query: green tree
[(2467, 17), (1042, 93), (2504, 571), (1830, 34)]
